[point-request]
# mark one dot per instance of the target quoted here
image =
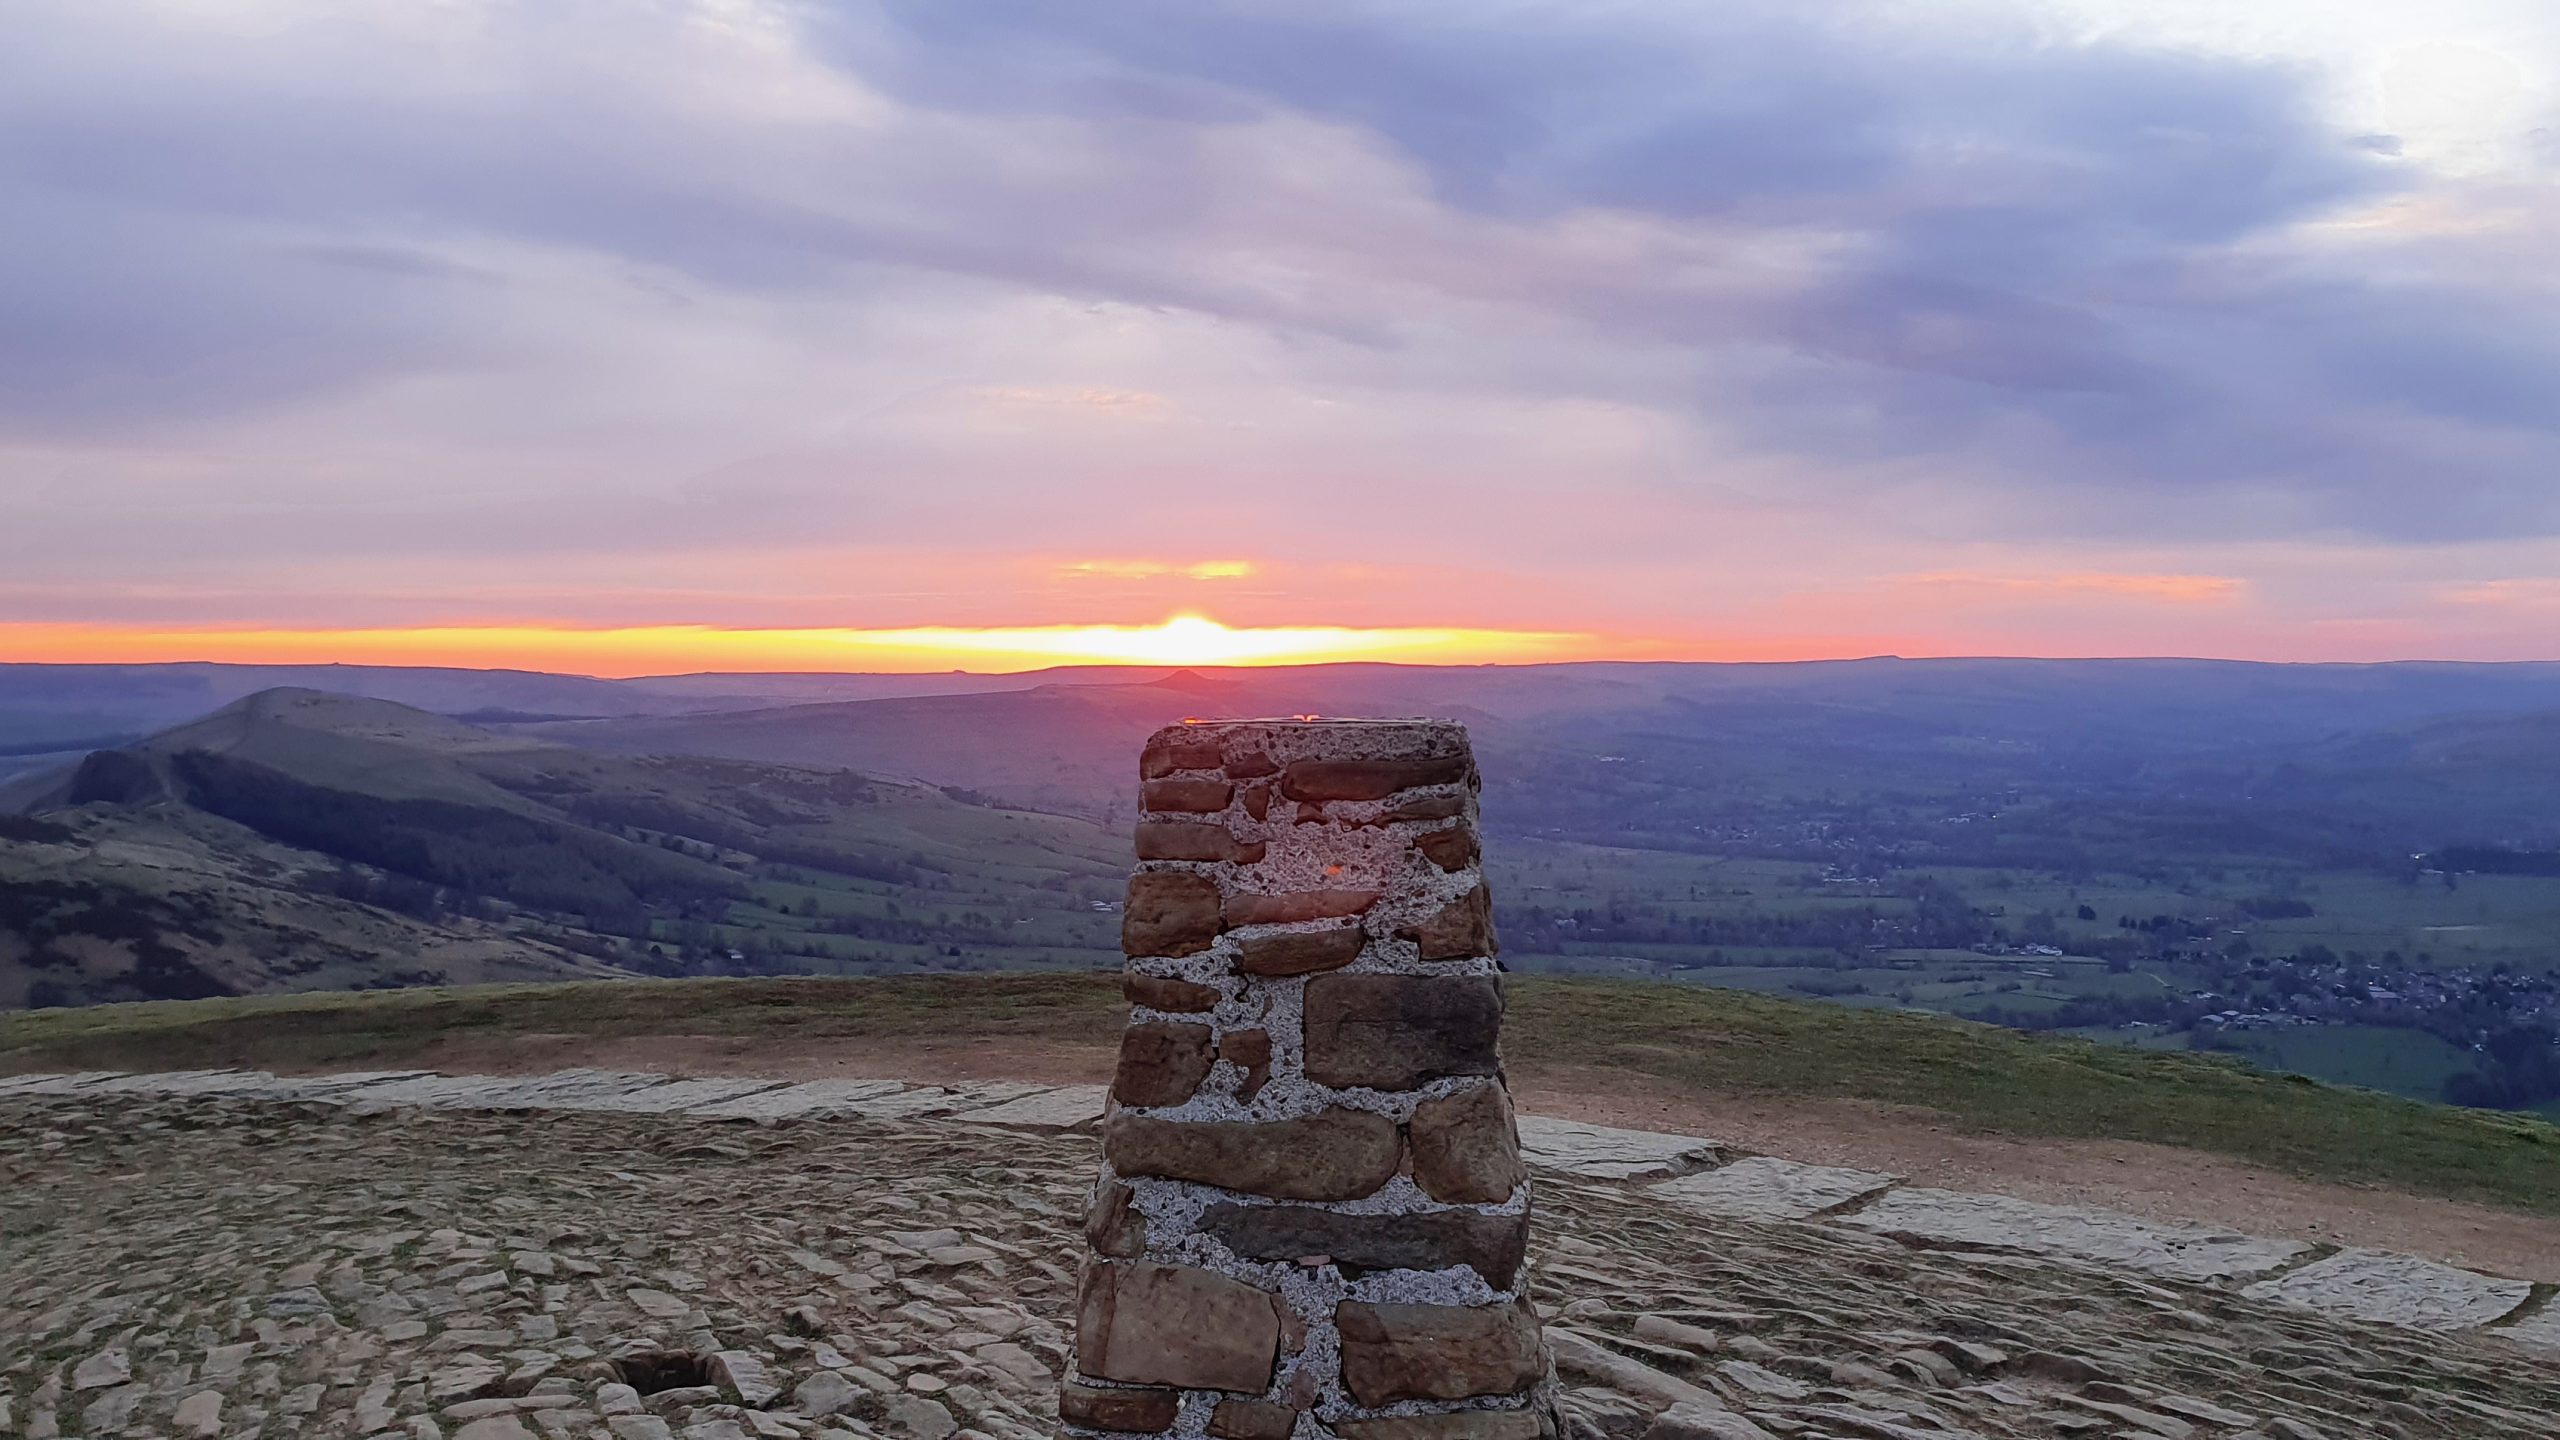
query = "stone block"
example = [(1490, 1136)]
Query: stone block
[(1148, 1324), (1249, 1051), (1182, 997), (1299, 906), (1437, 1352), (1300, 952), (1112, 1225), (1246, 763), (1452, 850), (1331, 1155), (1115, 1408), (1169, 913), (1162, 1063), (1193, 840), (1252, 1420), (1426, 808), (1463, 930), (1257, 801), (1465, 1150), (1187, 794), (1168, 751), (1491, 1245), (1367, 779), (1394, 1032)]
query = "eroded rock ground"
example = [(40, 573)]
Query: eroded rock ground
[(222, 1268)]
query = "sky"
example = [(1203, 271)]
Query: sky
[(630, 336)]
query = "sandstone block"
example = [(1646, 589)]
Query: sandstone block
[(1249, 1051), (1249, 764), (1169, 913), (1179, 996), (1298, 906), (1491, 1245), (1454, 1425), (1252, 1420), (1186, 793), (1465, 1149), (1394, 1032), (1331, 1155), (1193, 840), (1367, 779), (1150, 1324), (1112, 1226), (1130, 1412), (1427, 807), (1452, 850), (1257, 801), (1462, 930), (1171, 750), (1437, 1352), (1300, 952), (1162, 1063)]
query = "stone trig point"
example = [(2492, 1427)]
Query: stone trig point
[(1312, 1213)]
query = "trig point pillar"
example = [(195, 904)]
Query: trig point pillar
[(1312, 1213)]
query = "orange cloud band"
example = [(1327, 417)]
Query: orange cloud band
[(663, 649)]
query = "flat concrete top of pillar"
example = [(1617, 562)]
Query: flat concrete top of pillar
[(1207, 744)]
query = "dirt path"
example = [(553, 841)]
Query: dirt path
[(2155, 1181)]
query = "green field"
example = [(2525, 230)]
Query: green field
[(1702, 1040)]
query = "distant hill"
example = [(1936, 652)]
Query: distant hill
[(297, 839)]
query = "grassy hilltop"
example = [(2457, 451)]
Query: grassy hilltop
[(1978, 1078)]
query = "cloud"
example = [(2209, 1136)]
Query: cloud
[(1574, 292)]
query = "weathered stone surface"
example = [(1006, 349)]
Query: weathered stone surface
[(1246, 763), (1426, 807), (1193, 840), (1169, 913), (1148, 1324), (1183, 997), (1112, 1226), (1299, 905), (1491, 1245), (1395, 1032), (1186, 794), (1465, 1151), (1162, 1063), (2396, 1290), (1331, 1155), (1257, 801), (1166, 753), (1996, 1222), (1452, 850), (1764, 1187), (1367, 779), (1462, 930), (1249, 1051), (1236, 1419), (1690, 1420), (1105, 1407), (1454, 1425), (1300, 952), (1437, 1352), (1606, 1152)]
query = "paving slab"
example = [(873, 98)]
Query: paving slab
[(10, 1084), (677, 1095), (433, 1091), (1764, 1187), (186, 1082), (339, 1086), (1605, 1152), (69, 1084), (2542, 1331), (560, 1090), (2393, 1289), (1066, 1108), (1950, 1219), (795, 1102), (918, 1102)]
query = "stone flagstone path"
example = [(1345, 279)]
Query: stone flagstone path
[(221, 1255), (1692, 1174)]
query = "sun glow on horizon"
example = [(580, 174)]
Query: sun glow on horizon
[(1188, 639)]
